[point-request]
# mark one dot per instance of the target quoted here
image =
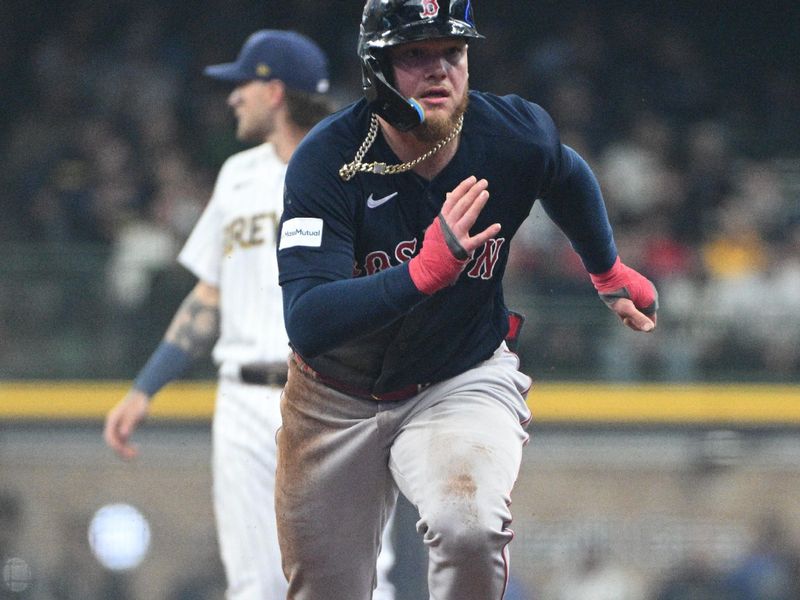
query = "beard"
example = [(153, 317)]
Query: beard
[(256, 129), (433, 130)]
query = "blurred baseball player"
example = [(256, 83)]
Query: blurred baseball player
[(398, 215), (280, 79)]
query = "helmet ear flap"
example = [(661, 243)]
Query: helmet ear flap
[(386, 101)]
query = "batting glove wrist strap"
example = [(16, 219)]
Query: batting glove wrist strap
[(620, 281), (440, 261)]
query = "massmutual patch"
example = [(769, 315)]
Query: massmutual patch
[(301, 231)]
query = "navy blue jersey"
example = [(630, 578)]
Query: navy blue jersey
[(351, 309)]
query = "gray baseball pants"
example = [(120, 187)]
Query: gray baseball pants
[(454, 450)]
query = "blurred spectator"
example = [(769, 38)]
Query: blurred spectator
[(771, 569), (781, 350), (141, 248), (634, 170), (707, 164), (693, 579), (735, 259), (597, 576), (517, 591), (147, 240)]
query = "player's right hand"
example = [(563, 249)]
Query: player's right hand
[(461, 209), (122, 420), (448, 245)]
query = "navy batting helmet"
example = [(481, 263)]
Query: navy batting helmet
[(386, 23)]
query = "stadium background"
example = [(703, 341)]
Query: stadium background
[(654, 460)]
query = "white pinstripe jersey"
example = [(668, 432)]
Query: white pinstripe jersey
[(232, 247)]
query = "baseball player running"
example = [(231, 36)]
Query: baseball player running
[(398, 216), (280, 80)]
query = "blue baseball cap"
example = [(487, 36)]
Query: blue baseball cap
[(272, 54)]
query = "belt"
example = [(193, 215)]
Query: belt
[(403, 393), (264, 373)]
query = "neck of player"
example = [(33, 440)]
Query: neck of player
[(285, 138)]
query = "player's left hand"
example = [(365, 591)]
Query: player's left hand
[(629, 294)]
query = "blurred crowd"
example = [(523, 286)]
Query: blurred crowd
[(690, 118), (767, 567)]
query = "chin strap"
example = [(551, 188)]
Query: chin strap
[(403, 114)]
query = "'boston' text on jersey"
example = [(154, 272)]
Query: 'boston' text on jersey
[(481, 266)]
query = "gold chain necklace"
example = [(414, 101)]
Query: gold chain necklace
[(348, 171)]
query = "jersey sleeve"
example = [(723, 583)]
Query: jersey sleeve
[(317, 226), (324, 305), (575, 203), (202, 252), (542, 142), (569, 191)]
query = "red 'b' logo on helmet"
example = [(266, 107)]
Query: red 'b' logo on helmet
[(430, 8)]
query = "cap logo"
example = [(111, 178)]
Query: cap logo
[(430, 8), (263, 70)]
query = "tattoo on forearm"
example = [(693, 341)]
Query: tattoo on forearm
[(195, 326)]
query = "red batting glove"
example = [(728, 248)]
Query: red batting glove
[(440, 261), (622, 282)]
